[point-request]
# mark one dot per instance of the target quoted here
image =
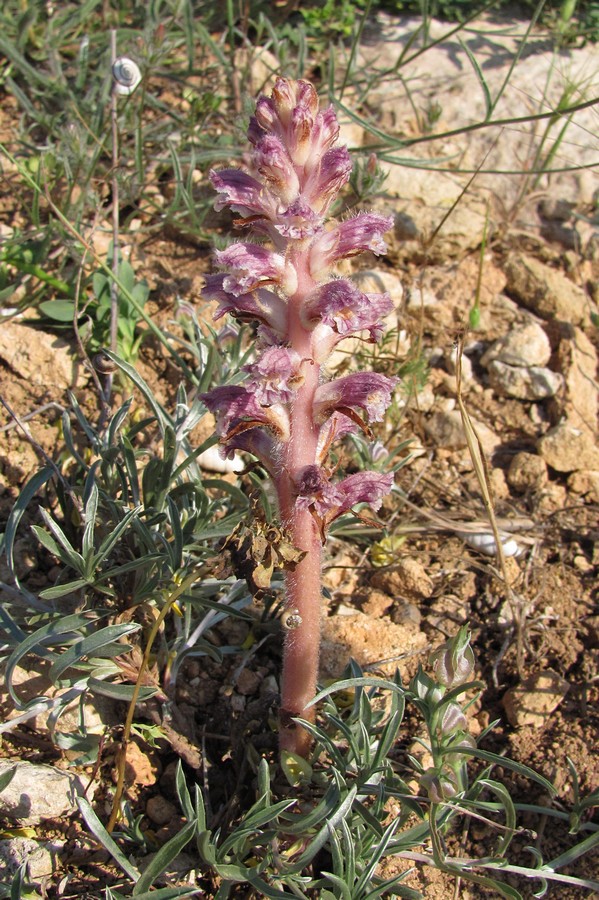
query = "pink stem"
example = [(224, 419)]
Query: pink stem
[(303, 586)]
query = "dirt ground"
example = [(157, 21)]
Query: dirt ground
[(535, 637)]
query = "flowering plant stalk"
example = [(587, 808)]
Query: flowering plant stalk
[(286, 413)]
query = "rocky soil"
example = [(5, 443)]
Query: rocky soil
[(529, 382)]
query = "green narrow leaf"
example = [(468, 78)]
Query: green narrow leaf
[(6, 778), (163, 858), (162, 417), (74, 557), (111, 539), (87, 544), (122, 692), (183, 793), (25, 497), (54, 630), (99, 832), (90, 645), (61, 590), (508, 763), (480, 76)]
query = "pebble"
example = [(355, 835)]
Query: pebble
[(407, 579), (18, 850), (446, 430), (533, 701), (568, 449), (577, 360), (544, 290), (527, 472), (524, 382), (38, 792), (524, 346), (159, 810)]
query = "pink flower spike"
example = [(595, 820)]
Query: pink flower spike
[(275, 377), (251, 266), (363, 232), (367, 391)]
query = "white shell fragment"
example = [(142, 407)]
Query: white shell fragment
[(212, 461), (484, 542), (126, 74)]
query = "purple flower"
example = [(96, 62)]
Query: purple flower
[(343, 309), (252, 266), (368, 391), (272, 161), (275, 377), (239, 191), (261, 306), (363, 232), (297, 222), (328, 178), (328, 501), (237, 409)]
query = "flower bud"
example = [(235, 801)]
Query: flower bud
[(439, 786), (453, 663), (453, 719)]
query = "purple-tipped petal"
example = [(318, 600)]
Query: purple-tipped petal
[(250, 266), (237, 190), (272, 161), (338, 309), (368, 391), (328, 178), (329, 501), (298, 222), (275, 377), (261, 306), (363, 232), (237, 409)]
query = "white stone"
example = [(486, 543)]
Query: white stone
[(525, 346), (38, 792), (524, 383)]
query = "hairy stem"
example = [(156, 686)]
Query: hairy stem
[(303, 586)]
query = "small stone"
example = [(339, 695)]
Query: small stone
[(141, 768), (407, 579), (586, 484), (40, 358), (406, 614), (568, 449), (533, 701), (446, 430), (525, 346), (527, 472), (248, 682), (376, 603), (18, 850), (524, 382), (38, 792), (544, 290), (556, 210), (159, 810), (577, 360)]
